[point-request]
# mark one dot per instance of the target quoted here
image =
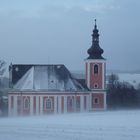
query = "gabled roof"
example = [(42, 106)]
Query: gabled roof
[(44, 77)]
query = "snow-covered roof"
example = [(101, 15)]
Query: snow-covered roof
[(44, 77)]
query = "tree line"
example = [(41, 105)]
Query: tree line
[(121, 94)]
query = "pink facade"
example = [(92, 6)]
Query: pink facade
[(97, 101), (95, 79), (50, 89), (46, 103)]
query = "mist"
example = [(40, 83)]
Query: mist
[(96, 125)]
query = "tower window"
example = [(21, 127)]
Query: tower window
[(96, 69), (96, 100), (95, 85)]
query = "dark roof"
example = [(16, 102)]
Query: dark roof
[(43, 77), (95, 51), (83, 83)]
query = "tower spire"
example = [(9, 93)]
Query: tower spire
[(95, 26), (95, 52)]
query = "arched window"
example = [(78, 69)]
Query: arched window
[(70, 103), (77, 103), (96, 69), (26, 103), (48, 103), (96, 101)]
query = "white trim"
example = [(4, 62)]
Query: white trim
[(103, 75), (88, 76), (105, 105), (41, 105), (9, 106), (81, 103), (59, 104), (31, 105), (21, 107), (95, 60), (87, 106), (37, 105), (85, 72), (90, 99), (98, 109), (15, 105), (89, 102), (74, 103), (48, 93), (98, 92), (65, 104), (55, 104)]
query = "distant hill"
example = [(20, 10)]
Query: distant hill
[(132, 77), (123, 71)]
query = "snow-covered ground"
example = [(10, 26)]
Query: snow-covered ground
[(108, 125)]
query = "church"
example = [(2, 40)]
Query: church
[(50, 89)]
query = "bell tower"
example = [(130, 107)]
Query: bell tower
[(96, 72)]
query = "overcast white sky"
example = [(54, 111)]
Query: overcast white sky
[(59, 32)]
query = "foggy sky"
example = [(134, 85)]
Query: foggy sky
[(59, 32)]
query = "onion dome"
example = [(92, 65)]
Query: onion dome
[(95, 52)]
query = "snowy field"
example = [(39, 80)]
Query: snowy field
[(109, 125)]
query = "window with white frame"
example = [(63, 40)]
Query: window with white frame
[(77, 103), (48, 103), (96, 69), (96, 100), (70, 103), (26, 103)]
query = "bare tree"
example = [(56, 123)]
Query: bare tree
[(121, 94), (2, 67), (2, 70), (112, 80), (3, 104)]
